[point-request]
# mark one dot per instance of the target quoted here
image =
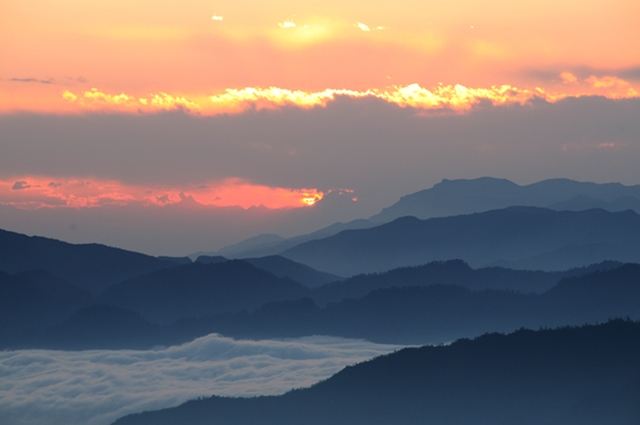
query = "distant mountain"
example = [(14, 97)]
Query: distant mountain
[(569, 376), (283, 267), (176, 260), (268, 245), (451, 272), (34, 300), (401, 315), (455, 197), (211, 259), (97, 327), (436, 313), (92, 267), (497, 237), (264, 241), (199, 289)]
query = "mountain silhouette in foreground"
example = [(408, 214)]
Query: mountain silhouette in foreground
[(92, 267), (526, 237), (34, 300), (568, 376), (455, 197)]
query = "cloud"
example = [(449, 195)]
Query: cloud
[(379, 149), (93, 193), (20, 185), (217, 18), (41, 387), (362, 26), (455, 97), (607, 81), (568, 78), (97, 100), (31, 80), (287, 24)]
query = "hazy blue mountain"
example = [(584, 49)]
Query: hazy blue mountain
[(176, 260), (451, 272), (211, 259), (92, 267), (455, 197), (497, 237), (568, 376), (436, 313), (199, 289), (264, 241), (268, 245), (283, 267), (97, 327), (36, 299), (402, 315)]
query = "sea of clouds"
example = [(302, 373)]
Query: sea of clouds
[(95, 387)]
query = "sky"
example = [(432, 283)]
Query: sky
[(174, 127), (96, 387)]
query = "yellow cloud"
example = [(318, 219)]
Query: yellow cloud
[(363, 27), (287, 24), (96, 99), (606, 82), (568, 78), (454, 97)]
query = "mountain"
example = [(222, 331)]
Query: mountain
[(436, 313), (200, 289), (451, 272), (568, 376), (283, 267), (97, 327), (497, 237), (269, 245), (455, 197), (401, 315), (92, 267), (34, 300), (257, 242)]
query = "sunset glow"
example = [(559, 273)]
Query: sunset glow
[(458, 98), (150, 57), (143, 105), (33, 192)]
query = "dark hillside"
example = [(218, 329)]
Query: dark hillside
[(568, 376), (92, 267), (200, 289)]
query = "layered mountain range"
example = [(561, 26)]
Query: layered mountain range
[(459, 260)]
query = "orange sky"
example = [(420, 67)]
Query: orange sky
[(33, 192), (194, 50), (135, 58)]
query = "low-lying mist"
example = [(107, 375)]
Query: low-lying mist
[(95, 387)]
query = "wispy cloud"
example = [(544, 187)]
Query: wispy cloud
[(362, 26), (41, 387), (31, 80)]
